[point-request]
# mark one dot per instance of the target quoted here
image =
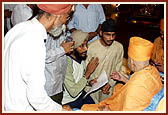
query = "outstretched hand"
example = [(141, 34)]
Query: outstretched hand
[(119, 77), (91, 67), (116, 76)]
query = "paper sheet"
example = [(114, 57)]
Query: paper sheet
[(102, 80)]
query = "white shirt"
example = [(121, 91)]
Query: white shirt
[(21, 13), (74, 81), (24, 65)]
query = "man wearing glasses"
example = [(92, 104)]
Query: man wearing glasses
[(57, 47), (24, 60)]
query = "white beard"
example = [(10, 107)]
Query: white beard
[(57, 30)]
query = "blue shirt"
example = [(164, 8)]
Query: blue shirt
[(155, 101), (88, 19)]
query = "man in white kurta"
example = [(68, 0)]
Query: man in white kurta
[(24, 62), (110, 55)]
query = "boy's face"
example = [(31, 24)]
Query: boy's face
[(108, 37)]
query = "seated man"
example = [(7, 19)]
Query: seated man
[(144, 83), (76, 73)]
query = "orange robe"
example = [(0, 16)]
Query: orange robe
[(135, 95)]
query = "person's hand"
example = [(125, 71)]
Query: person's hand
[(116, 76), (119, 77), (106, 88), (91, 67), (92, 35), (93, 81), (66, 108), (103, 108), (68, 46)]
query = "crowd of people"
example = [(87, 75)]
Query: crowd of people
[(55, 53)]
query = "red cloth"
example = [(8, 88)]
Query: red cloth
[(55, 8)]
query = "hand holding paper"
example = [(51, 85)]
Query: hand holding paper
[(101, 81)]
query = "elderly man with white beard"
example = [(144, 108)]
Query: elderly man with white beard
[(56, 61), (24, 61)]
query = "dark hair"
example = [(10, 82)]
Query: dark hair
[(108, 26)]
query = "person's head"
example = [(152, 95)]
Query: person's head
[(162, 28), (108, 32), (54, 16), (80, 48), (139, 53)]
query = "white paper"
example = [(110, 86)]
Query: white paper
[(102, 80)]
